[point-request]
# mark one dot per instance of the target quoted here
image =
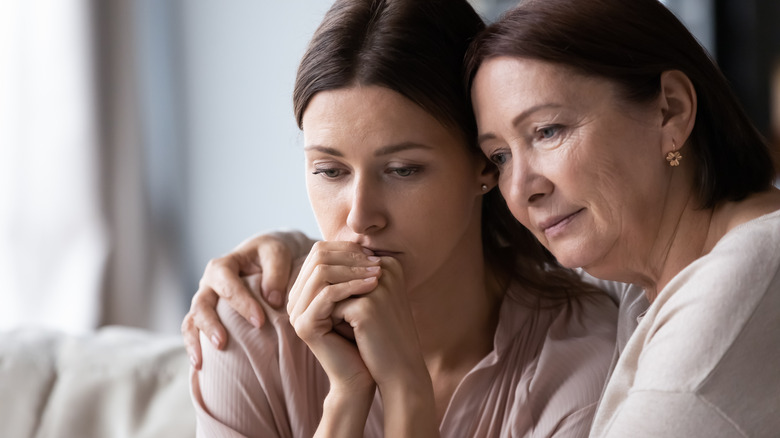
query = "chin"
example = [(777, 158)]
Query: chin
[(571, 256)]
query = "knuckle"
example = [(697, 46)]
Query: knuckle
[(228, 292), (199, 307), (276, 248), (214, 263), (302, 328), (320, 255), (363, 306), (186, 325), (329, 293), (319, 271)]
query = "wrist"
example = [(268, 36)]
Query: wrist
[(410, 408), (353, 393), (344, 414)]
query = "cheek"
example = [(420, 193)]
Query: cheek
[(328, 208)]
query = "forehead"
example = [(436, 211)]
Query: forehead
[(528, 81), (369, 115)]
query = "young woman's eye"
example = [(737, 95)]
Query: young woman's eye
[(404, 171), (328, 173), (548, 132)]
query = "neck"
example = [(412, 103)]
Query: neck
[(456, 310), (686, 233), (664, 245), (682, 238)]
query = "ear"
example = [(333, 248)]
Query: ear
[(678, 107), (488, 174)]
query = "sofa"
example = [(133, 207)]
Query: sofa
[(115, 382)]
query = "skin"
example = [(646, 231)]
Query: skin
[(389, 183), (584, 170)]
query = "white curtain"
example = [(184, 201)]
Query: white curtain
[(75, 228), (53, 239)]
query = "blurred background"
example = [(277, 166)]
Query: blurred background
[(141, 138)]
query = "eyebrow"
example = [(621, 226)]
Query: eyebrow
[(519, 118), (385, 150)]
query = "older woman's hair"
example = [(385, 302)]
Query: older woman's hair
[(631, 42), (416, 48)]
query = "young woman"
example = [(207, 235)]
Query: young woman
[(426, 309)]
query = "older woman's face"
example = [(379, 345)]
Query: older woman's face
[(579, 167), (385, 174)]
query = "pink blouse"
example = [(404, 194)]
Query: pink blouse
[(543, 377)]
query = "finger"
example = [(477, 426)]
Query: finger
[(276, 263), (205, 319), (222, 277), (191, 337), (331, 253), (316, 318), (334, 293), (325, 275)]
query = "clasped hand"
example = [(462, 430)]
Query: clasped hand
[(356, 319)]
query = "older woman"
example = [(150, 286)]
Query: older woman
[(622, 149)]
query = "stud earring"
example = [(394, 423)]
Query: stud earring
[(484, 187), (674, 157)]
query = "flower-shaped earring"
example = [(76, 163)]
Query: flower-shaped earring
[(674, 157)]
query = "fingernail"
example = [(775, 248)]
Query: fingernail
[(254, 321), (372, 269), (193, 361), (215, 340), (367, 251), (373, 259), (369, 279), (275, 298)]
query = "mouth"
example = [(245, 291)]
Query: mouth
[(383, 252), (555, 225)]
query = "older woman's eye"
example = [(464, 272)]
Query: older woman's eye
[(548, 132)]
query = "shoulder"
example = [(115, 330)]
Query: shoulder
[(578, 346), (725, 287), (713, 331), (573, 346), (588, 318), (250, 386)]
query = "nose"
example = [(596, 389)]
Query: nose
[(367, 213), (527, 184)]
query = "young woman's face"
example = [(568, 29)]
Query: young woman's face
[(579, 167), (387, 175)]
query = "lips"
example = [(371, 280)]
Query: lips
[(556, 224), (384, 252)]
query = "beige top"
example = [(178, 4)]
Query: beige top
[(705, 358), (543, 378)]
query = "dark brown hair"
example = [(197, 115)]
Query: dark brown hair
[(631, 42), (416, 48)]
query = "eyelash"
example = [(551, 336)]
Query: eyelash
[(540, 131), (412, 170), (326, 173), (496, 158)]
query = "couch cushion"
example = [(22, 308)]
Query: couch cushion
[(117, 382)]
